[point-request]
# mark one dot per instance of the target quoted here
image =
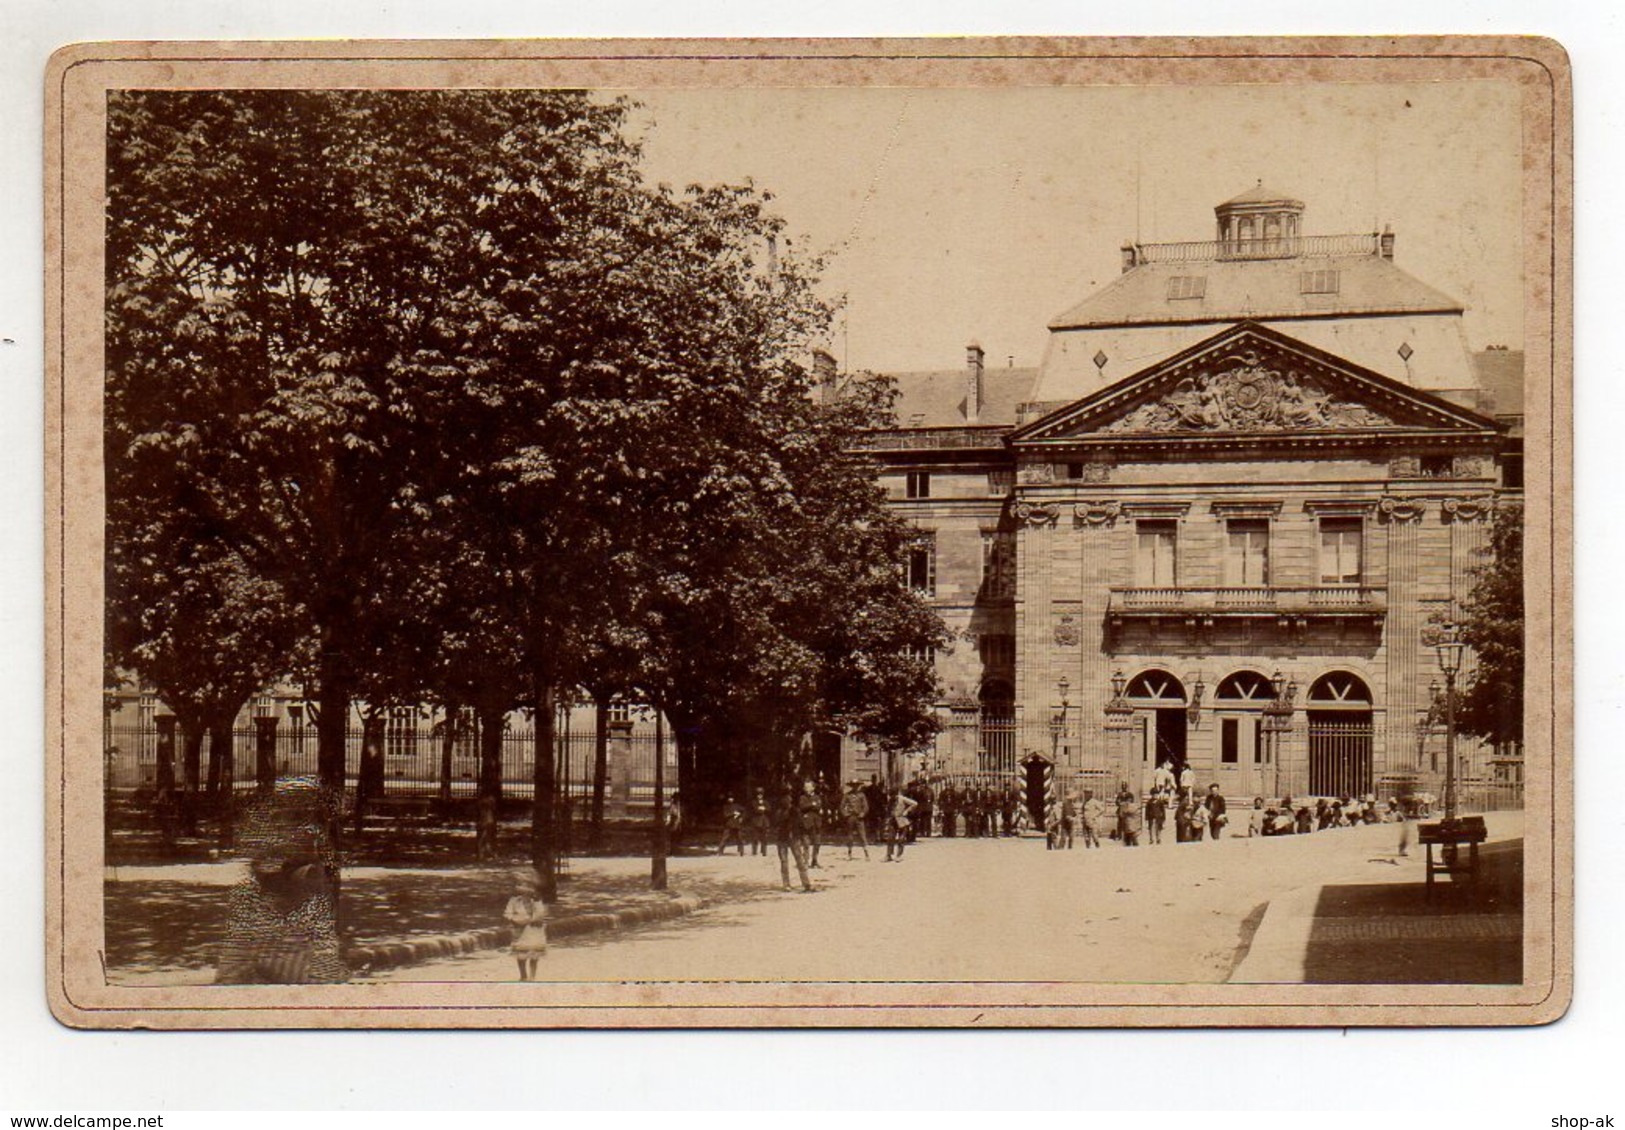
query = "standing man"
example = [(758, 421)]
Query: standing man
[(1128, 817), (812, 819), (1216, 815), (897, 831), (854, 816), (791, 840), (761, 820), (733, 826), (1162, 777), (1156, 814), (1093, 813), (1069, 821)]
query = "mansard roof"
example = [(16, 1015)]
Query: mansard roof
[(936, 398), (1263, 290), (1249, 383)]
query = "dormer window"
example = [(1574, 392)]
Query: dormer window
[(1319, 282), (1187, 286)]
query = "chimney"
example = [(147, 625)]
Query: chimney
[(1385, 243), (973, 382), (1131, 258), (823, 364)]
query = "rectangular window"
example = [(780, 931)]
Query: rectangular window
[(919, 484), (1258, 741), (1229, 739), (1318, 282), (1340, 551), (1000, 483), (1512, 472), (1155, 548), (922, 566), (1186, 286), (1247, 552), (401, 732)]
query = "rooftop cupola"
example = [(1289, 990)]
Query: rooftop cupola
[(1260, 224)]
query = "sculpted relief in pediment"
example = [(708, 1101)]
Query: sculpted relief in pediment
[(1245, 395)]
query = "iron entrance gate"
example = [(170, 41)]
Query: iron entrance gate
[(1339, 754)]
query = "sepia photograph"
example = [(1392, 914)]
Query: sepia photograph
[(1023, 533)]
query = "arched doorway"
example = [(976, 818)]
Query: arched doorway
[(1340, 735), (1244, 753), (1159, 701)]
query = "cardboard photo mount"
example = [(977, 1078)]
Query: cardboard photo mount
[(78, 82)]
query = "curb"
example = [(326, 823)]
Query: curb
[(393, 955)]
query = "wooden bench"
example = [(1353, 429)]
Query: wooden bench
[(1448, 836)]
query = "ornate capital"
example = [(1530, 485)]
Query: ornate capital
[(1396, 509), (1474, 508), (1103, 513), (1037, 513)]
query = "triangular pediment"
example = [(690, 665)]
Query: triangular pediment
[(1252, 381)]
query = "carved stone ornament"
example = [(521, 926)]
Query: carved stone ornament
[(1469, 467), (1097, 513), (1473, 509), (1247, 397), (1402, 509), (1037, 513), (1066, 632), (1097, 472), (1405, 467), (1037, 473)]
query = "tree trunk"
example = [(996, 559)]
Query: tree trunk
[(448, 746), (600, 763), (217, 751), (491, 734), (544, 829), (332, 719), (369, 782), (223, 778), (191, 766), (657, 862)]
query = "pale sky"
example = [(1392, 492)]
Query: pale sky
[(958, 214)]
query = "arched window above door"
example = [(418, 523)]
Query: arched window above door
[(1340, 688), (1246, 687), (1156, 686)]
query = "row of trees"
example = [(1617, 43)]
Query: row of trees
[(430, 397)]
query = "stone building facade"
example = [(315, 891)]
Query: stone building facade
[(1218, 527)]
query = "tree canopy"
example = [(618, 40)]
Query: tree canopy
[(1491, 705), (429, 395)]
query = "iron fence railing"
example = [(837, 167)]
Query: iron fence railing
[(414, 758)]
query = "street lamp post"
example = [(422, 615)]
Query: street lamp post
[(1278, 720), (1119, 721), (1449, 648)]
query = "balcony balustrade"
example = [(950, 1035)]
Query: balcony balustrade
[(1250, 600), (1285, 247)]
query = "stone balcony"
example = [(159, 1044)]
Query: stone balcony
[(1292, 605)]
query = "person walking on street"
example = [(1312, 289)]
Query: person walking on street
[(733, 826), (897, 833), (855, 816), (1217, 817), (790, 839)]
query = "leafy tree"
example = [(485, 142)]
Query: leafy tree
[(1491, 705)]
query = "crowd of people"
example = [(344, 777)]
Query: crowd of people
[(802, 821)]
